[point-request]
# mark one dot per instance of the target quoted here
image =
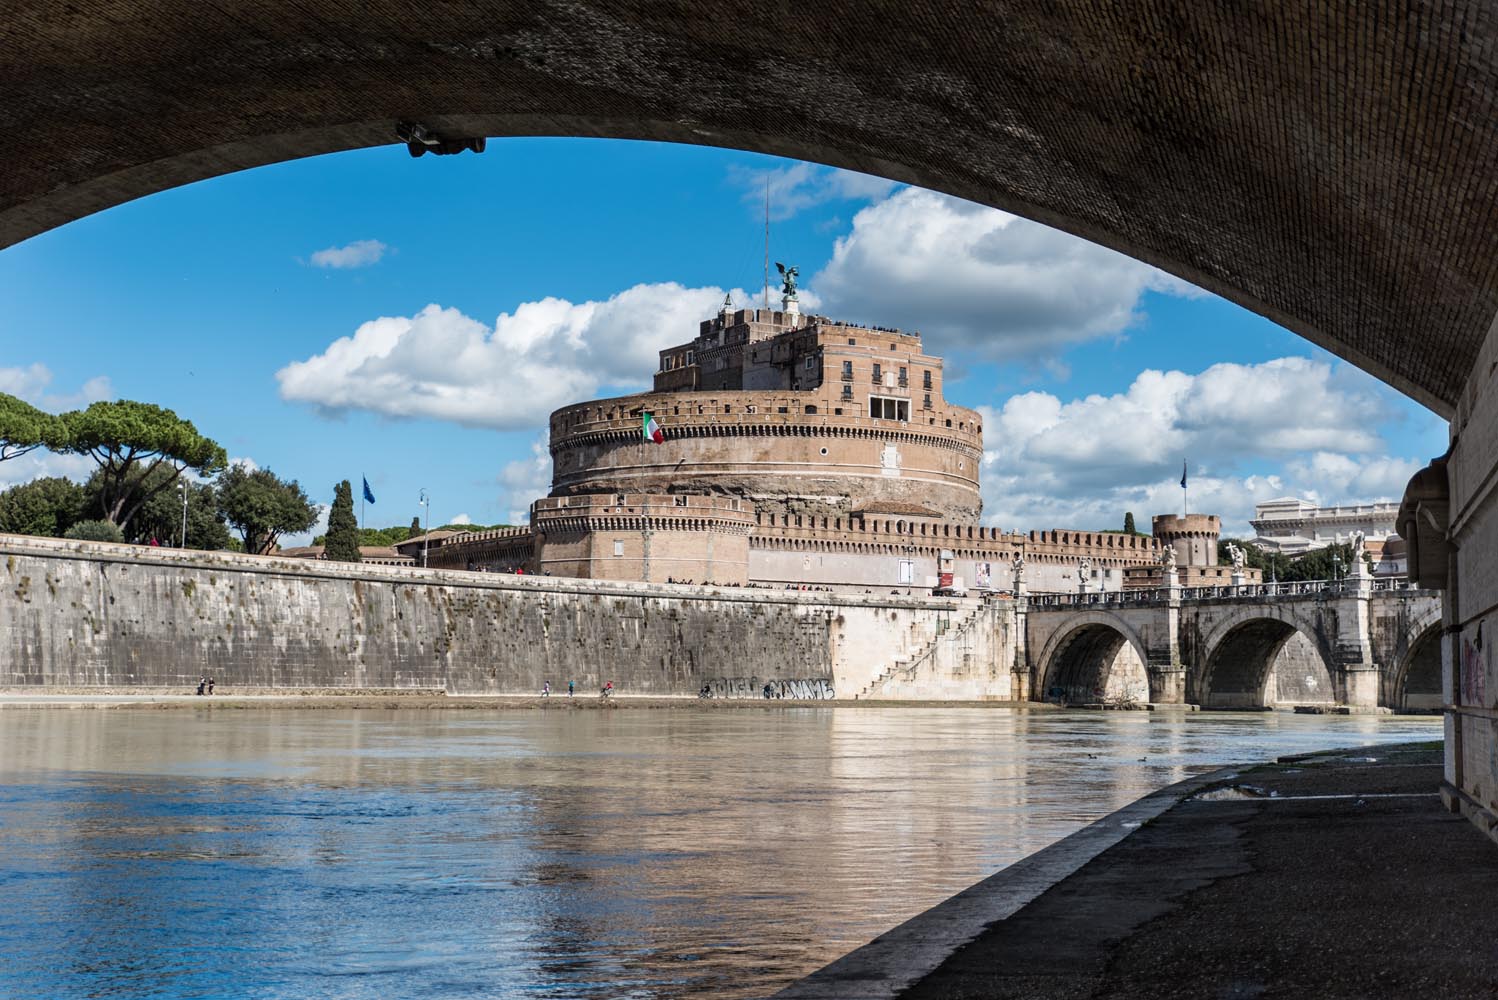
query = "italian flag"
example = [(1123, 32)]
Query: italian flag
[(653, 430)]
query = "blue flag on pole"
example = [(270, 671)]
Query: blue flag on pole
[(368, 493), (1183, 480)]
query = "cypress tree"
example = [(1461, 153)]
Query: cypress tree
[(342, 543), (415, 527), (1129, 522)]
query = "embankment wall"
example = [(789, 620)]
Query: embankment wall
[(92, 614)]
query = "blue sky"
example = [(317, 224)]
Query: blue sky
[(486, 290)]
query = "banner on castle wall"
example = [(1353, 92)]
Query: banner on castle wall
[(983, 576)]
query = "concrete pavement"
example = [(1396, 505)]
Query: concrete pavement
[(1334, 875)]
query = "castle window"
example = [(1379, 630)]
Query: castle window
[(681, 501), (881, 408), (847, 371), (618, 547), (852, 342), (811, 410), (926, 402), (837, 411), (904, 378), (811, 363), (780, 409), (926, 380), (878, 373), (847, 393)]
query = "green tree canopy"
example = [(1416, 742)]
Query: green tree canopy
[(23, 428), (129, 441), (263, 507), (415, 528), (1332, 562), (95, 531), (1129, 522), (160, 516), (47, 506), (343, 528)]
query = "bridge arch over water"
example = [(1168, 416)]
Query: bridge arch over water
[(1098, 657), (1414, 685), (1262, 657)]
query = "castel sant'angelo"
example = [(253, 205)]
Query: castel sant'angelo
[(798, 451)]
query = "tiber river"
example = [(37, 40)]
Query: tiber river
[(630, 853)]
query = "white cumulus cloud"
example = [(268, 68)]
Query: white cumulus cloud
[(444, 365), (795, 188), (982, 281), (31, 384), (1083, 462), (360, 253)]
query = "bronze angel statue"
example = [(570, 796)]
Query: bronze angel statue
[(787, 278)]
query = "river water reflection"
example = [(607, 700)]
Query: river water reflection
[(631, 853)]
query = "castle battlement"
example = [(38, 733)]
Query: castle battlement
[(606, 419)]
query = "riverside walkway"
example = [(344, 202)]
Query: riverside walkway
[(1334, 875)]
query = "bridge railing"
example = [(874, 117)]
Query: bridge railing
[(1101, 598), (1150, 595)]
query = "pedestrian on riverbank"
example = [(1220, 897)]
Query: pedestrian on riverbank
[(210, 685), (202, 684), (546, 689), (569, 689)]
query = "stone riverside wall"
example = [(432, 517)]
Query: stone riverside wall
[(94, 614)]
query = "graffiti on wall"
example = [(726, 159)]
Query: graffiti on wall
[(1474, 670), (814, 689)]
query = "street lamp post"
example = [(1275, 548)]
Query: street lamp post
[(426, 503), (182, 484)]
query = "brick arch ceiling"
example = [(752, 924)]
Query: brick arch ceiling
[(1332, 169)]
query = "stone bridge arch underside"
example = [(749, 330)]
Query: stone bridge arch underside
[(1328, 166), (1262, 658), (1095, 658), (1414, 683)]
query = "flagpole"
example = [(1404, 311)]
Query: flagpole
[(362, 496)]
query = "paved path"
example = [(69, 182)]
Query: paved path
[(1346, 879)]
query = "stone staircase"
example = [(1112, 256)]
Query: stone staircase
[(906, 666)]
